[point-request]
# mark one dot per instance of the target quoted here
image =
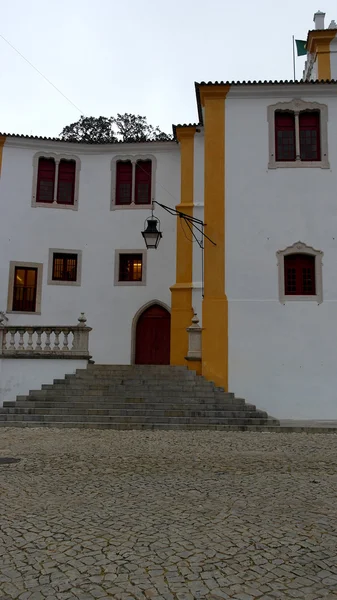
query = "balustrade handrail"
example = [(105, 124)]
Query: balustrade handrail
[(45, 341)]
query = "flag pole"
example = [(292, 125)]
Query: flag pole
[(294, 67)]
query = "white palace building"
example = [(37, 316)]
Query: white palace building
[(260, 170)]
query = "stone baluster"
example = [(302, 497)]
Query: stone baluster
[(65, 340), (21, 340), (57, 340), (12, 340), (30, 340), (47, 342), (38, 340)]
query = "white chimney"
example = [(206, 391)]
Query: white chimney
[(319, 19)]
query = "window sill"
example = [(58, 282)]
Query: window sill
[(294, 298), (54, 205), (70, 283), (132, 283), (299, 164), (130, 206), (23, 312)]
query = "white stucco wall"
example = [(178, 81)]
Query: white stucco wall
[(281, 357), (18, 376), (27, 233)]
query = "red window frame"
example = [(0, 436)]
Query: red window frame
[(64, 267), (143, 179), (299, 275), (123, 182), (24, 291), (45, 180), (285, 137), (130, 267), (66, 182), (310, 135)]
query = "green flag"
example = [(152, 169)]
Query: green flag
[(301, 46)]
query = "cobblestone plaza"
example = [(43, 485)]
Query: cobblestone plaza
[(173, 515)]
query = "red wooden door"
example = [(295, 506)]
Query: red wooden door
[(153, 337)]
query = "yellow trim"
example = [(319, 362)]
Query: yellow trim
[(2, 143), (319, 44), (181, 291), (215, 305)]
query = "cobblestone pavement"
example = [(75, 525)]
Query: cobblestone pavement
[(173, 515)]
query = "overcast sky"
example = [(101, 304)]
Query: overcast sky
[(142, 57)]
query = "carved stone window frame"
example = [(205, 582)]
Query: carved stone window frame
[(133, 158), (57, 157), (30, 265), (301, 248), (52, 281), (296, 106), (128, 283)]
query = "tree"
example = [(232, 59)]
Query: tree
[(90, 129), (125, 128)]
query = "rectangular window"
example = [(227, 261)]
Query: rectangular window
[(143, 182), (24, 289), (45, 180), (130, 267), (309, 124), (124, 182), (66, 182), (299, 275), (285, 136), (64, 267)]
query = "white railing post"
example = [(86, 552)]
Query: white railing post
[(194, 339)]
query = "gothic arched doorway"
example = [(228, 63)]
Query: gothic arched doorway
[(153, 336)]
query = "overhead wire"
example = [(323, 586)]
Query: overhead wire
[(42, 75)]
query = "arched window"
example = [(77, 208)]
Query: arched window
[(298, 134), (56, 181), (133, 181)]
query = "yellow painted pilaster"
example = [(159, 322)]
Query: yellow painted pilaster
[(319, 43), (215, 306), (181, 291), (2, 143)]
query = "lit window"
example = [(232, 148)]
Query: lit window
[(130, 267), (64, 267)]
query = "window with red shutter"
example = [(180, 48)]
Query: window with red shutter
[(66, 182), (45, 180), (285, 146), (299, 275), (143, 182), (123, 182), (309, 123)]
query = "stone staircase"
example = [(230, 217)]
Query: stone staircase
[(133, 397)]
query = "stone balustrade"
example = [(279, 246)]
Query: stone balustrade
[(37, 341)]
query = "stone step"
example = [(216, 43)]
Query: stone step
[(132, 411), (151, 426), (141, 392), (132, 419), (77, 385), (130, 368), (132, 406), (119, 381), (129, 399), (133, 397)]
